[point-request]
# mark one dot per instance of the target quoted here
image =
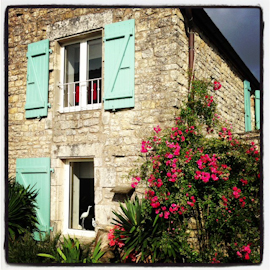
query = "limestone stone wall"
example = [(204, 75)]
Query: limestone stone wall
[(29, 138), (210, 63), (114, 138), (111, 139)]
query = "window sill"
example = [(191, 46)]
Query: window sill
[(79, 233), (79, 108)]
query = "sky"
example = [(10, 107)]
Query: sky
[(241, 27)]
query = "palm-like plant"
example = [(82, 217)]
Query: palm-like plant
[(136, 230), (22, 216)]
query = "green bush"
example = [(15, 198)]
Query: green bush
[(71, 251), (139, 236), (24, 249), (22, 215), (203, 184), (133, 230)]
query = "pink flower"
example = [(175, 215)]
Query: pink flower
[(190, 203), (236, 192), (112, 243), (247, 249), (214, 177), (236, 195), (159, 184), (217, 85), (245, 182), (121, 244), (134, 184), (239, 254), (144, 147), (155, 204), (199, 162), (166, 214), (110, 235), (246, 256), (205, 177), (157, 129)]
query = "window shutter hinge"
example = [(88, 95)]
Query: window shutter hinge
[(51, 229), (49, 105), (50, 50), (52, 170)]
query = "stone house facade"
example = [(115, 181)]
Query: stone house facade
[(87, 85)]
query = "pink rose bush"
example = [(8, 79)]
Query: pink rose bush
[(212, 183)]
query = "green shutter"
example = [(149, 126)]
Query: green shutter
[(36, 172), (119, 65), (257, 108), (37, 79), (247, 90)]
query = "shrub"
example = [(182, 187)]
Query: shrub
[(22, 215), (24, 249), (71, 251), (203, 184)]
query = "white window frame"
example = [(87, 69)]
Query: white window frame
[(66, 230), (83, 76)]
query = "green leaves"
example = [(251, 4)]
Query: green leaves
[(190, 213), (97, 254), (22, 215), (70, 251)]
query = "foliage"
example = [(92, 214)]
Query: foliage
[(25, 249), (203, 184), (22, 215), (200, 105), (70, 251), (133, 231), (97, 254)]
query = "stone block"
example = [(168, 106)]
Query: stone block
[(107, 177)]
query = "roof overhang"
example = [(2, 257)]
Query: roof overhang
[(206, 26)]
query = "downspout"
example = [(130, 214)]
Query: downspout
[(190, 46)]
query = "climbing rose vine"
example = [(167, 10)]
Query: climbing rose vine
[(204, 190)]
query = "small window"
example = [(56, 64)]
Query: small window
[(81, 196), (81, 75)]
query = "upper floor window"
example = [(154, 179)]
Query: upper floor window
[(83, 84), (82, 75)]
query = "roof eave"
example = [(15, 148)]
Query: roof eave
[(209, 29)]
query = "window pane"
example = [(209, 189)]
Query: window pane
[(94, 71), (94, 58), (72, 63), (82, 195)]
